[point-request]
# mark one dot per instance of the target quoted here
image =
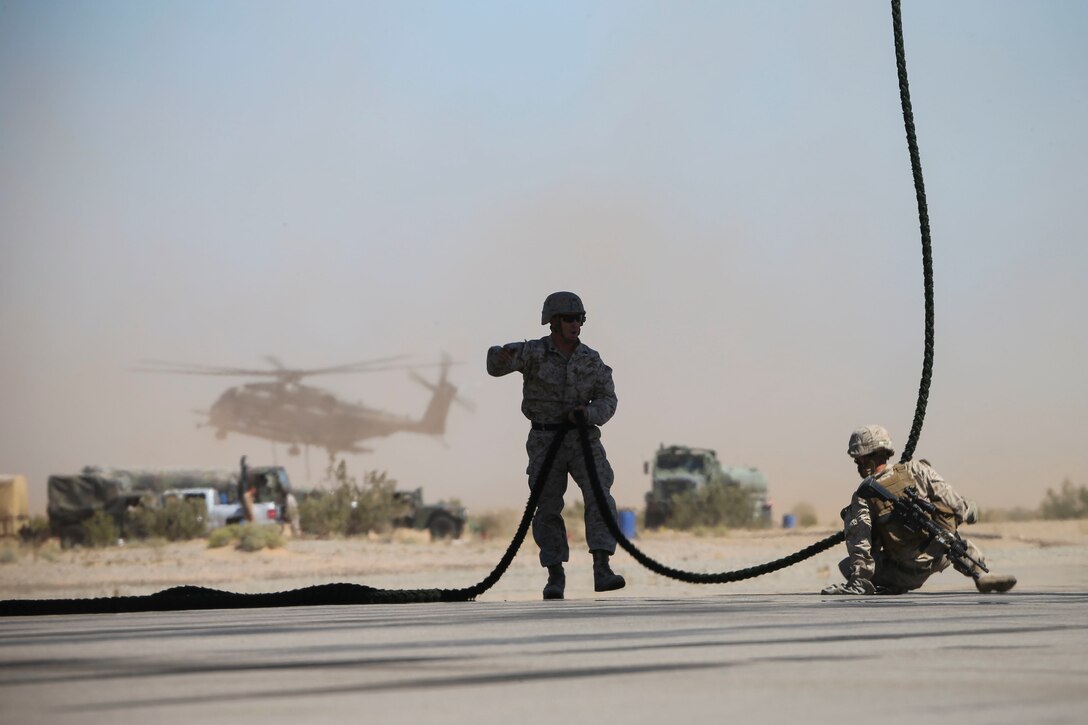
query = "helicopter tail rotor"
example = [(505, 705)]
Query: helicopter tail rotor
[(443, 387), (433, 387)]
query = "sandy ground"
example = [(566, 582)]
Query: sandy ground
[(1045, 556)]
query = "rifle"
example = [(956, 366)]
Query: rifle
[(915, 513)]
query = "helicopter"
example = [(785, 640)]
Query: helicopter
[(283, 410)]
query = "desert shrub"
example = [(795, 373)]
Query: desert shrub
[(350, 507), (182, 520), (256, 537), (247, 537), (376, 507), (494, 524), (177, 520), (140, 522), (710, 531), (100, 530), (325, 513), (714, 506), (223, 536), (805, 514), (1067, 503), (35, 531), (1014, 514)]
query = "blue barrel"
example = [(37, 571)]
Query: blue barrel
[(788, 521), (627, 523)]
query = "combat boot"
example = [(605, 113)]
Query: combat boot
[(854, 586), (991, 583), (557, 582), (604, 579)]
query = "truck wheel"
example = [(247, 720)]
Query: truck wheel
[(71, 536), (654, 518), (444, 526)]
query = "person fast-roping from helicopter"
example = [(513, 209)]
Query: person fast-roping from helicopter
[(563, 380)]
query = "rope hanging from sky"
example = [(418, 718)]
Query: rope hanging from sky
[(923, 223)]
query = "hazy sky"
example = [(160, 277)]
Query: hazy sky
[(726, 184)]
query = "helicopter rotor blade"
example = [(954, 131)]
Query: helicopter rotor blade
[(279, 371), (171, 368), (349, 370), (364, 366)]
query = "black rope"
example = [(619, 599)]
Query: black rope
[(923, 223), (190, 597), (679, 574), (460, 595)]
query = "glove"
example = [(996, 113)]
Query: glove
[(853, 586)]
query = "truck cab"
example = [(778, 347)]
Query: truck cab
[(443, 520), (218, 509), (676, 470)]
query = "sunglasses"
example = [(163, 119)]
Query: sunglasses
[(573, 318)]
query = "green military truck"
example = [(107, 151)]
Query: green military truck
[(676, 470), (444, 520)]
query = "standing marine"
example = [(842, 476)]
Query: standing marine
[(885, 555), (564, 380)]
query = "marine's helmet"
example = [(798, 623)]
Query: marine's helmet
[(561, 303), (869, 439)]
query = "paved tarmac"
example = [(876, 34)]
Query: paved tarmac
[(1020, 657)]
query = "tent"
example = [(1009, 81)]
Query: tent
[(14, 512)]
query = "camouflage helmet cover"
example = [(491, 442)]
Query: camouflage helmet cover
[(869, 439), (561, 303)]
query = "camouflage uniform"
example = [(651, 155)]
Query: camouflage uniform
[(554, 385), (898, 574)]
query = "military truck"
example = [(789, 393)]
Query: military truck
[(72, 499), (679, 469), (443, 520)]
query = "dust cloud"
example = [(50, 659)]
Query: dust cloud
[(747, 250)]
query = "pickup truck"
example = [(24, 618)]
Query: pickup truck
[(220, 512)]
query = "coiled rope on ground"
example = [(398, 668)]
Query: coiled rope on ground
[(192, 597)]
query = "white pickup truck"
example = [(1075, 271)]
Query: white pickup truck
[(220, 511)]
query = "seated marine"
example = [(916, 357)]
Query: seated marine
[(887, 554)]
